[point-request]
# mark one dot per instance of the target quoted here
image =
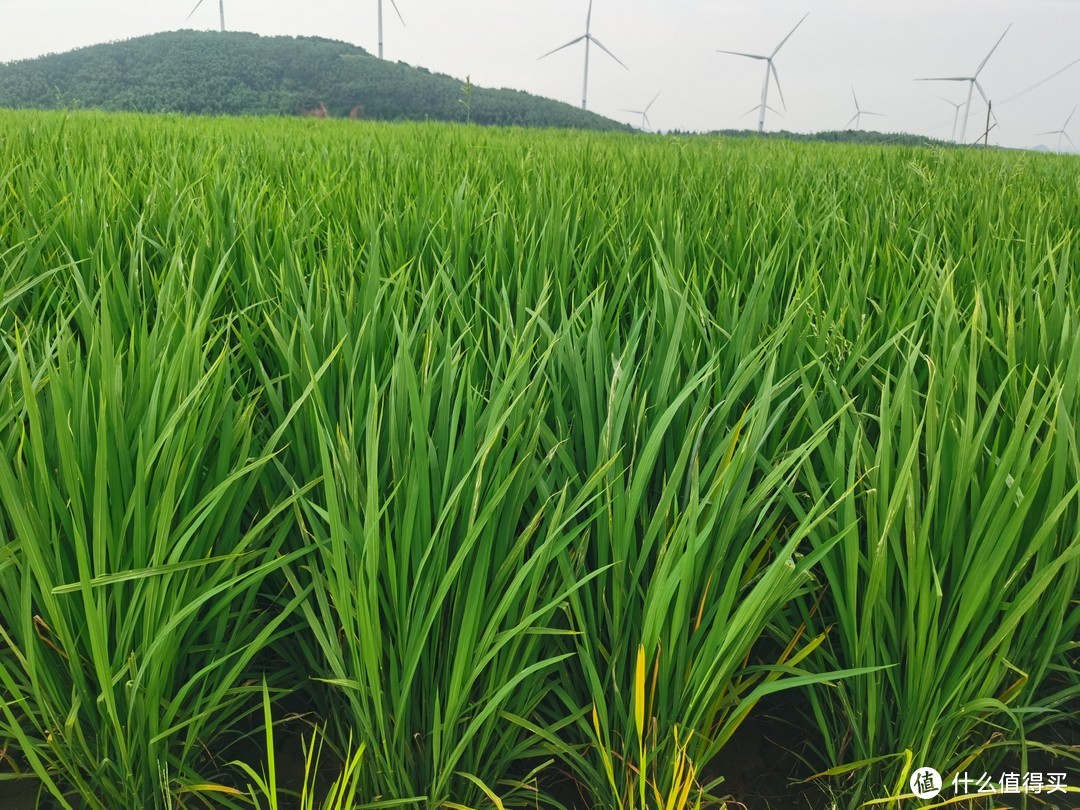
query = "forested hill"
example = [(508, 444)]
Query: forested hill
[(233, 73)]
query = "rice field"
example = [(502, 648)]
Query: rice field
[(362, 465)]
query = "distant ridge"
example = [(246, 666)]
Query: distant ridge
[(233, 73)]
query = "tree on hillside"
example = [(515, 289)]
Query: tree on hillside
[(233, 73)]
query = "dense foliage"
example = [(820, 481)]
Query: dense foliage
[(528, 464), (244, 74), (860, 136)]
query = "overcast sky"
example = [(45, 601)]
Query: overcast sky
[(671, 49)]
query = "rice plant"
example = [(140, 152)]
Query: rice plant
[(531, 462)]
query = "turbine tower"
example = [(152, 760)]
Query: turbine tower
[(394, 4), (1060, 132), (859, 112), (956, 105), (770, 69), (644, 113), (221, 11), (973, 84), (588, 38)]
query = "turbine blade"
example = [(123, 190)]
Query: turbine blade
[(648, 123), (1070, 140), (757, 107), (635, 112), (600, 45), (1067, 120), (848, 124), (982, 64), (855, 97), (947, 79), (785, 39), (993, 115), (396, 9), (654, 98), (567, 45), (194, 10), (588, 17), (879, 115), (1051, 132), (747, 55), (776, 77)]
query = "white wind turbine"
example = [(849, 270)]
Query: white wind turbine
[(645, 123), (973, 84), (588, 37), (860, 112), (1060, 132), (221, 11), (956, 115), (394, 4), (770, 70)]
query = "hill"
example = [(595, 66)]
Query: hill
[(234, 73)]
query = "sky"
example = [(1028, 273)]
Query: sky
[(670, 47)]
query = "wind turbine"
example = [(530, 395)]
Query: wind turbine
[(644, 113), (770, 68), (956, 115), (588, 37), (394, 4), (1060, 132), (973, 84), (221, 11), (860, 112)]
